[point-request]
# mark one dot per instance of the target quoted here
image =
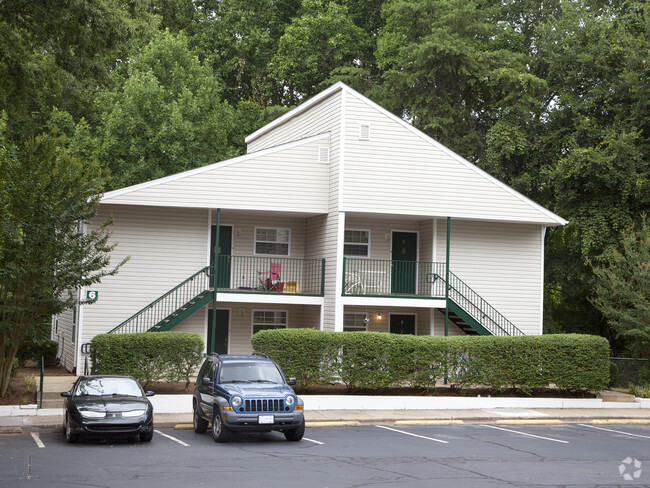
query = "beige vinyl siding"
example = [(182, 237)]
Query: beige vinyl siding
[(288, 179), (322, 117), (241, 322), (438, 317), (502, 263), (166, 245), (397, 171), (322, 232)]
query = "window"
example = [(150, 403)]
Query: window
[(269, 319), (354, 322), (272, 241), (356, 243)]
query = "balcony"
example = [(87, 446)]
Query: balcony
[(270, 275)]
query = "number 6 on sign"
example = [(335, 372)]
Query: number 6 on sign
[(92, 295)]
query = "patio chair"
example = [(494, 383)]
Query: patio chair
[(270, 280)]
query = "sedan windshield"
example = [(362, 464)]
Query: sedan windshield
[(108, 387), (250, 373)]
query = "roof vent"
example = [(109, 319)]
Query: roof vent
[(364, 132), (324, 154)]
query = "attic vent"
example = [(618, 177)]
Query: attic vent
[(324, 155), (364, 132)]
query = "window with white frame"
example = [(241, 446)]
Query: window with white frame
[(356, 243), (355, 322), (272, 241), (269, 319)]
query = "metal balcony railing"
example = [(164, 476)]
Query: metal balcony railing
[(421, 279)]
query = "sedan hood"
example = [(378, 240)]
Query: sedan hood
[(111, 403)]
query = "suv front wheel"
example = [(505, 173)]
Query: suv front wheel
[(200, 424), (295, 434), (220, 433)]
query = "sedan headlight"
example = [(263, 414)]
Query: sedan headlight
[(133, 413), (290, 400), (92, 414), (236, 401)]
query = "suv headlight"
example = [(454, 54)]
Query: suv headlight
[(290, 400), (236, 401)]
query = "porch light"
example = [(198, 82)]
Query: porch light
[(379, 316)]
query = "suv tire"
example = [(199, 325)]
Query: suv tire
[(220, 433), (200, 424), (296, 434)]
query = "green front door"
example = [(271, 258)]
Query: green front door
[(221, 333), (404, 265), (225, 251)]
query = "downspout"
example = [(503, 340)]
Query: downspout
[(214, 283), (447, 279)]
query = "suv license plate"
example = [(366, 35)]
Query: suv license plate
[(266, 419)]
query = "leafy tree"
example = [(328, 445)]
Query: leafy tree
[(167, 116), (321, 39), (622, 290), (47, 198)]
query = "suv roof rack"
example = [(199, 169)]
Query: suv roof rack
[(255, 353)]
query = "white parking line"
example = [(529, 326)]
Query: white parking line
[(37, 440), (524, 433), (616, 431), (411, 434), (172, 438), (312, 440)]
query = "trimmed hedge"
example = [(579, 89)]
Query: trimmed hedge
[(148, 356), (373, 360)]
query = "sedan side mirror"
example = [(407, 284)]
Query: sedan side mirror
[(149, 393), (291, 382), (66, 394)]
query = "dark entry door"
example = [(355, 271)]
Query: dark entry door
[(405, 251), (221, 337), (402, 324), (225, 251)]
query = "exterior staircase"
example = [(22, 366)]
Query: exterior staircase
[(173, 307), (474, 315)]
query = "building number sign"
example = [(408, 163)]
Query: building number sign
[(92, 295)]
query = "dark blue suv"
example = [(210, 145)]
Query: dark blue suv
[(245, 393)]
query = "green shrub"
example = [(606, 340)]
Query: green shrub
[(148, 356), (372, 360), (35, 349)]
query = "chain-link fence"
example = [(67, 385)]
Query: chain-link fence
[(626, 371)]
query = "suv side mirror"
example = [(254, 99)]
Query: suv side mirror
[(66, 394), (291, 382), (206, 382)]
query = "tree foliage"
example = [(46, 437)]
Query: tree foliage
[(48, 196), (622, 289)]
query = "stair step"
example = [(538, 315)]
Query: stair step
[(616, 396)]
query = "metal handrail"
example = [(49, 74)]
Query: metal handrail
[(420, 279), (166, 304)]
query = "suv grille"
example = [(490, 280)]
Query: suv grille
[(274, 405)]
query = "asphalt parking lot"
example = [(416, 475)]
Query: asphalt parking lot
[(476, 455)]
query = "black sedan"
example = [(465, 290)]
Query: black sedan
[(103, 406)]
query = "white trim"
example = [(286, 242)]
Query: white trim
[(341, 150), (541, 291), (207, 263), (209, 167), (338, 285)]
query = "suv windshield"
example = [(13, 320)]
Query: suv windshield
[(253, 372)]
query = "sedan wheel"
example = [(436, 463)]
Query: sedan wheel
[(70, 436), (146, 436), (220, 433)]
